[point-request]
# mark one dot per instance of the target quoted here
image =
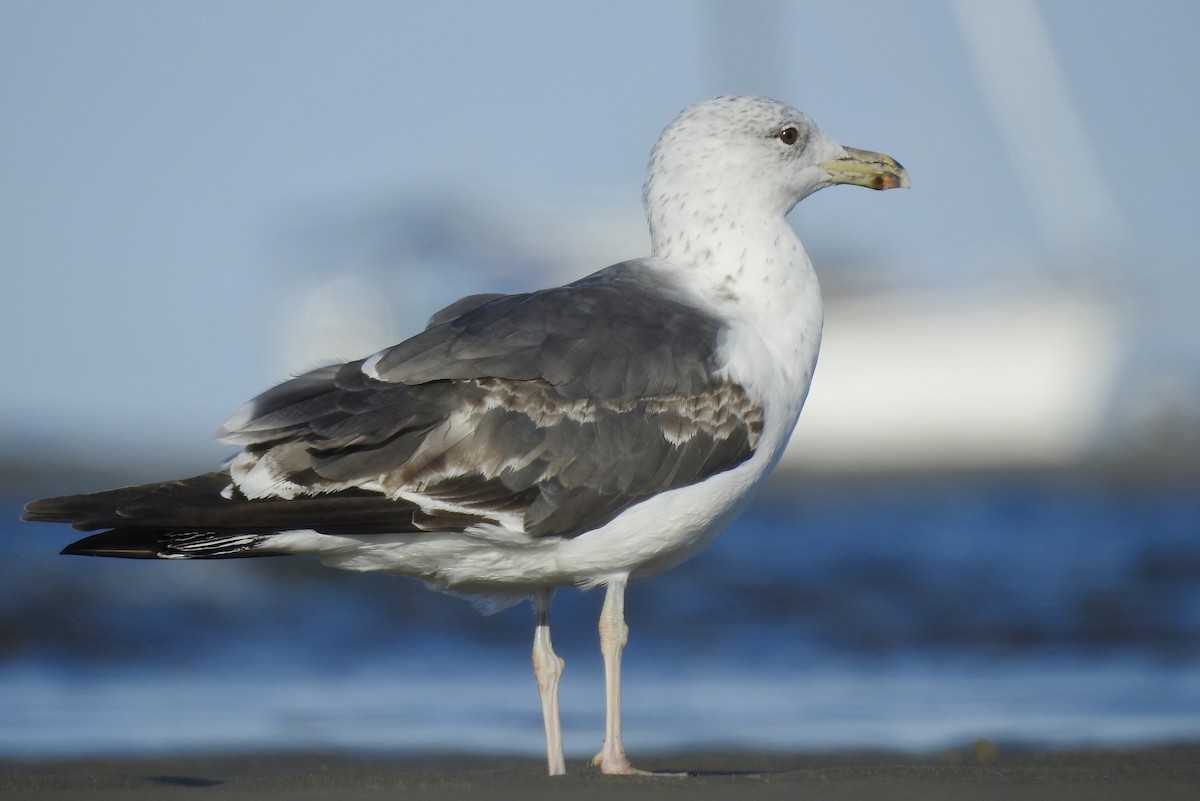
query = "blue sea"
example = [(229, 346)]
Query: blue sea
[(910, 614)]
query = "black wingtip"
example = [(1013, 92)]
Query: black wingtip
[(46, 510), (123, 545), (76, 510)]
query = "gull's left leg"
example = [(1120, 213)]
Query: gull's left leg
[(547, 668), (613, 636)]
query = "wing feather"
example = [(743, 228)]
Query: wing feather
[(564, 407)]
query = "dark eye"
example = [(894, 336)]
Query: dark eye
[(789, 135)]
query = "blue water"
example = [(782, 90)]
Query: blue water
[(912, 615)]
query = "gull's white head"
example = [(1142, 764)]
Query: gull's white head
[(736, 156)]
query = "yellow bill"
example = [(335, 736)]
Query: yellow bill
[(866, 168)]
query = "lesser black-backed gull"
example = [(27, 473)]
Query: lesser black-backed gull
[(589, 434)]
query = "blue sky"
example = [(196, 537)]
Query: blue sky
[(153, 156)]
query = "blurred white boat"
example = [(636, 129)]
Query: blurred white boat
[(929, 380)]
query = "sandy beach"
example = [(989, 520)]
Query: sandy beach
[(981, 772)]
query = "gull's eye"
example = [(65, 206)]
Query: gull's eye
[(789, 135)]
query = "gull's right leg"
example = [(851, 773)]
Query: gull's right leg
[(547, 668), (613, 636)]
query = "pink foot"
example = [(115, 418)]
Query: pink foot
[(616, 766)]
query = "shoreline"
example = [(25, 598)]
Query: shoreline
[(980, 771)]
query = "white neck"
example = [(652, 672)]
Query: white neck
[(752, 268)]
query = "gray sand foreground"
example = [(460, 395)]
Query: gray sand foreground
[(981, 773)]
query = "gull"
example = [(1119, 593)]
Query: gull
[(585, 435)]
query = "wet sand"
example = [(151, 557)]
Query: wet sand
[(981, 773)]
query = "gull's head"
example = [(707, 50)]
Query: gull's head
[(732, 155)]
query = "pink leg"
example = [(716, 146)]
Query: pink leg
[(547, 668), (613, 636)]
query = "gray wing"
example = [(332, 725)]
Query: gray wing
[(617, 334), (559, 408)]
